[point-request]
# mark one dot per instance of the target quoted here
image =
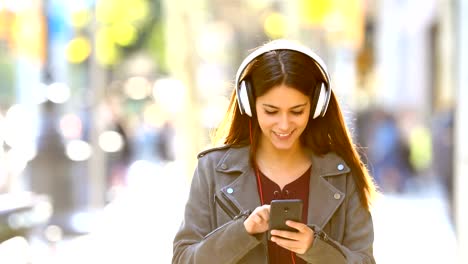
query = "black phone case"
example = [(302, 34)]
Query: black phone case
[(282, 210)]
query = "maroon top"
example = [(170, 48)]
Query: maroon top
[(298, 189)]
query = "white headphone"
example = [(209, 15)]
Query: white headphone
[(322, 92)]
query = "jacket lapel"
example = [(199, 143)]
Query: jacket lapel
[(243, 190), (324, 197)]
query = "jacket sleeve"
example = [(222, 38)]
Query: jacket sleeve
[(199, 240), (357, 246)]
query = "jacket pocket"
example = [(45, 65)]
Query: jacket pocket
[(227, 205)]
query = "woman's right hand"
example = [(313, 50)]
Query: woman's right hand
[(258, 220)]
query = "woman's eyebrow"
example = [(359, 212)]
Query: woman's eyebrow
[(294, 107)]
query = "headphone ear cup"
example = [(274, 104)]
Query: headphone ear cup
[(244, 98), (251, 97), (319, 100)]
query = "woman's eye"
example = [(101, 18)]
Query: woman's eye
[(270, 112), (297, 112)]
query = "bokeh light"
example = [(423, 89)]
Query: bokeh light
[(124, 34), (275, 25), (154, 115), (170, 94), (78, 50), (16, 250), (78, 150), (53, 233), (106, 49), (81, 18), (58, 92), (137, 88), (19, 130), (18, 159), (111, 141), (71, 126)]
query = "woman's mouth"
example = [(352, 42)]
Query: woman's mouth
[(283, 135)]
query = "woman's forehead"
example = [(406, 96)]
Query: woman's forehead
[(283, 95)]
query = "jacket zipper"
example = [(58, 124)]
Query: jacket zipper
[(225, 208), (233, 206)]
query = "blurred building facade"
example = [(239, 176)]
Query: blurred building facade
[(460, 160)]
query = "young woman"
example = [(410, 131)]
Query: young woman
[(284, 138)]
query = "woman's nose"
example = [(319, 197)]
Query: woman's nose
[(283, 123)]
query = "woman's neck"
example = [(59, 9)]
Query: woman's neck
[(282, 166), (268, 155)]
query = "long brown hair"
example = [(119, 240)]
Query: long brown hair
[(322, 135)]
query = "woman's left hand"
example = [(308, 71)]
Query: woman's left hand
[(298, 242)]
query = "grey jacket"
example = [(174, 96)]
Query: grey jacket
[(224, 191)]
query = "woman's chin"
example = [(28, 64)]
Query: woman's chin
[(283, 145)]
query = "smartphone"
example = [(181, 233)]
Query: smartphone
[(282, 210)]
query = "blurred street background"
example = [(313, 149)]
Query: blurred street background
[(104, 105)]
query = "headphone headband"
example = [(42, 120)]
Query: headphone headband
[(244, 93), (282, 44)]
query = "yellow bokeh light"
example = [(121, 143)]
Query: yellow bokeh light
[(106, 11), (78, 50), (115, 11), (106, 50), (344, 19), (275, 25), (81, 18), (139, 10), (28, 34), (124, 34), (314, 12)]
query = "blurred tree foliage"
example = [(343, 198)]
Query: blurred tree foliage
[(128, 26)]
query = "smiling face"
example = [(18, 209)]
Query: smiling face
[(283, 113)]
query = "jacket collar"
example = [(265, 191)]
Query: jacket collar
[(324, 197), (235, 159)]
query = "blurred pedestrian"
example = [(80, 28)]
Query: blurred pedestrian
[(165, 142), (119, 160), (281, 142), (50, 171), (388, 152)]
